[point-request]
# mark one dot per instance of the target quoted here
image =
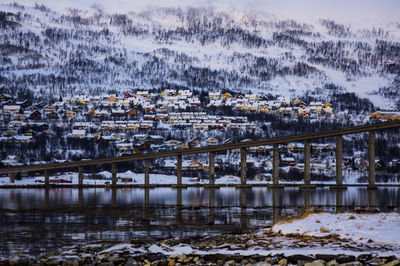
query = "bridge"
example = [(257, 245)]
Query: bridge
[(243, 146)]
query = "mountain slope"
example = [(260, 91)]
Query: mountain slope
[(55, 54)]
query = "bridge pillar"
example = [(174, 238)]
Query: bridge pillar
[(211, 199), (211, 168), (80, 176), (276, 206), (371, 159), (307, 169), (179, 170), (275, 164), (146, 172), (339, 156), (12, 177), (146, 197), (80, 196), (243, 208), (339, 200), (114, 174), (46, 178), (243, 155)]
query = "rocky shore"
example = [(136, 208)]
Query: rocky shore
[(224, 250), (123, 258)]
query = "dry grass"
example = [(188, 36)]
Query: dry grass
[(324, 230)]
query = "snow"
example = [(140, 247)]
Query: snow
[(353, 234), (376, 227)]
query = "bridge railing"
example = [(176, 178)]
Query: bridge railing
[(243, 146)]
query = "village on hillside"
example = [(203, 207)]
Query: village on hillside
[(145, 121)]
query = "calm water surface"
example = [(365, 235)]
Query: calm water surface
[(37, 221)]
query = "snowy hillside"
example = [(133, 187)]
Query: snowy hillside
[(46, 52)]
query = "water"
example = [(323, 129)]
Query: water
[(37, 221)]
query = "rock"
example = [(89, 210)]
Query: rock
[(131, 262), (196, 259), (75, 263), (332, 263), (244, 261), (375, 261), (294, 259), (345, 258), (52, 261), (106, 263), (230, 263), (393, 263), (262, 263), (325, 257), (66, 263), (116, 261), (283, 262), (171, 262), (315, 263), (364, 257)]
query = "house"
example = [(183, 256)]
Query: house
[(4, 98), (77, 133), (193, 165), (53, 115), (264, 109), (227, 95), (162, 148), (145, 146), (70, 114), (127, 95), (35, 115), (10, 133), (11, 109), (20, 117), (287, 161), (212, 141), (162, 117), (155, 139), (303, 111), (360, 164), (11, 160), (132, 112), (142, 94), (23, 138), (173, 144), (214, 95), (194, 142)]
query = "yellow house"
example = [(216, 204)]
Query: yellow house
[(112, 99), (227, 95), (302, 111), (328, 110), (264, 109), (326, 105)]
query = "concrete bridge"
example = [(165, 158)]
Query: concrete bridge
[(211, 150)]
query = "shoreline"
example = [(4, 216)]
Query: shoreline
[(221, 249)]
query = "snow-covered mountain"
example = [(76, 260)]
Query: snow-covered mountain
[(48, 53)]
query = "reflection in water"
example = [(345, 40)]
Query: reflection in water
[(35, 221)]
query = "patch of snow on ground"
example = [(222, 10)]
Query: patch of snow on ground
[(379, 227)]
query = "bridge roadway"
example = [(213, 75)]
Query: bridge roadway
[(242, 146)]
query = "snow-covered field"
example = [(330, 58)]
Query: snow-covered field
[(318, 233), (383, 228)]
